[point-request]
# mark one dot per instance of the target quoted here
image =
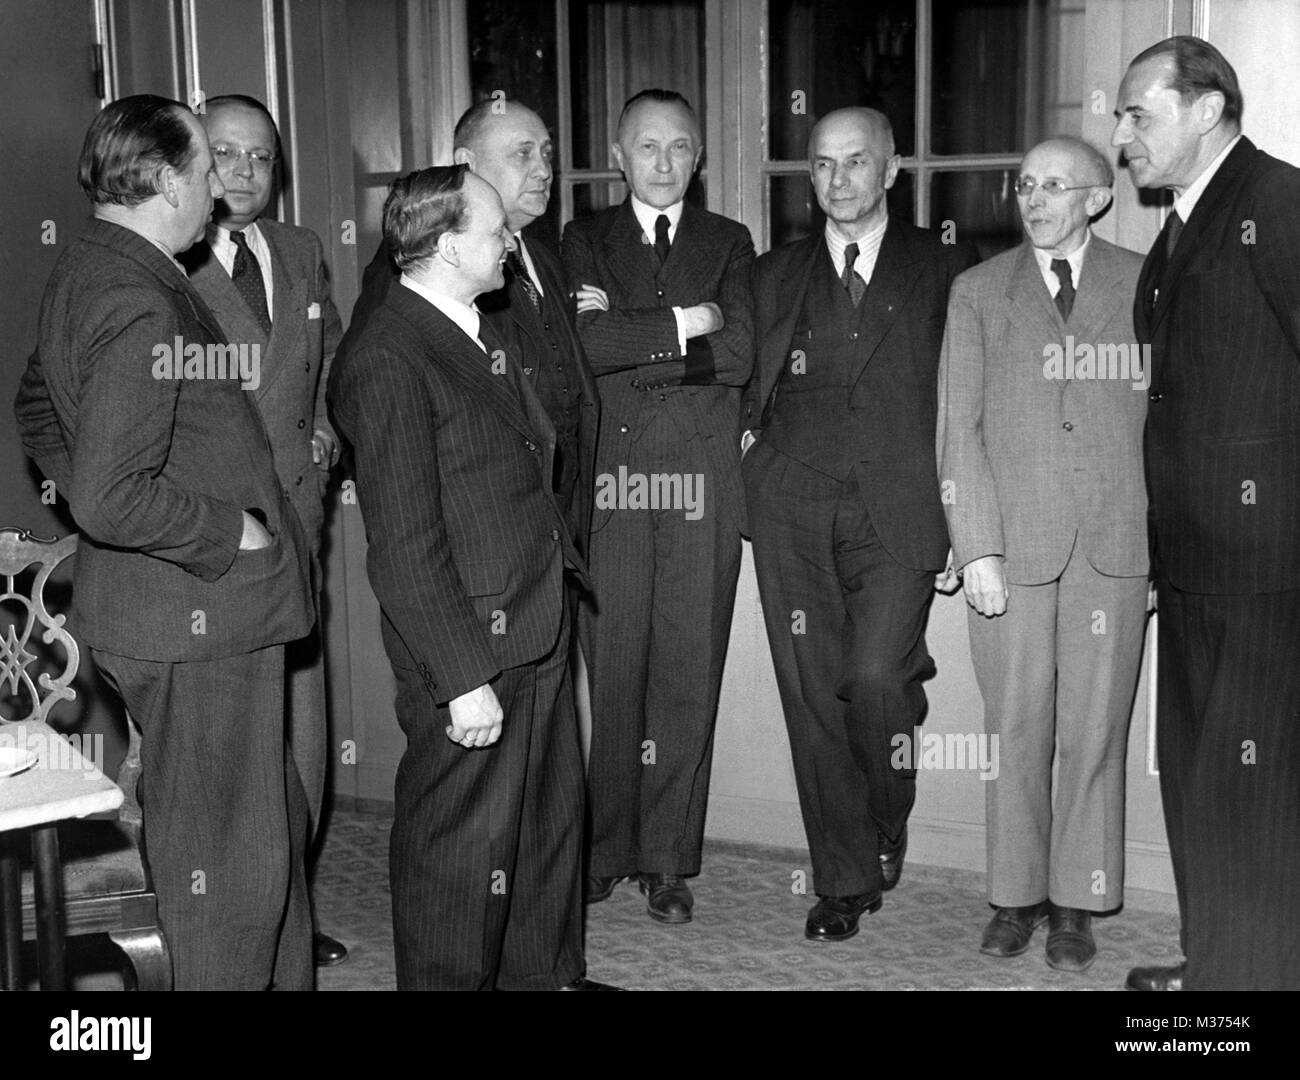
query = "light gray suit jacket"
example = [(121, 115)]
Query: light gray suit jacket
[(295, 362), (1029, 460)]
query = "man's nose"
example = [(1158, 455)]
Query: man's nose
[(1123, 133), (243, 165), (542, 169), (663, 163)]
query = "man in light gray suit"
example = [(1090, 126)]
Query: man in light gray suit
[(267, 285), (1041, 407)]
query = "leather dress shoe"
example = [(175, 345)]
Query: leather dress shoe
[(588, 984), (1010, 929), (891, 859), (668, 898), (835, 918), (1156, 978), (1070, 946), (327, 951), (595, 889)]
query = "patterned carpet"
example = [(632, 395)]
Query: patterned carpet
[(748, 930)]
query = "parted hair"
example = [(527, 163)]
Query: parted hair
[(420, 207), (128, 144)]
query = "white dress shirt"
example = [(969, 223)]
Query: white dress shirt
[(528, 263), (868, 249), (1186, 202)]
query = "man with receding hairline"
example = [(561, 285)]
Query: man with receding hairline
[(1040, 460), (1217, 304), (468, 551), (844, 513), (267, 284), (666, 318), (192, 569)]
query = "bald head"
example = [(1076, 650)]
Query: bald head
[(506, 144), (1078, 179), (1090, 165), (852, 163)]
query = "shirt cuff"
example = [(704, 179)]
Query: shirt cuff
[(681, 331)]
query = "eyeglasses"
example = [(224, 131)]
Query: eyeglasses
[(1025, 187), (228, 157)]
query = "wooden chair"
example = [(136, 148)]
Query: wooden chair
[(106, 885)]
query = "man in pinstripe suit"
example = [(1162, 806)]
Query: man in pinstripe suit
[(1219, 302), (468, 549), (666, 319)]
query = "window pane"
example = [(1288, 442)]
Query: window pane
[(982, 205), (1005, 72), (793, 211), (591, 198), (826, 54), (618, 49)]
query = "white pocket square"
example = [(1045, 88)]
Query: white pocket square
[(313, 311)]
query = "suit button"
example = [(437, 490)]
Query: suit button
[(1156, 396), (636, 383), (663, 397), (623, 429), (528, 371), (306, 367), (302, 424), (555, 534), (531, 446), (554, 347), (853, 336), (660, 294), (298, 481), (1068, 426)]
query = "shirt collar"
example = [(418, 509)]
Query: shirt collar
[(1186, 202), (646, 217), (869, 240), (1075, 259), (463, 315)]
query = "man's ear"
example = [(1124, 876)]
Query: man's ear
[(462, 155), (1098, 200), (617, 151), (1209, 110), (167, 182), (449, 248)]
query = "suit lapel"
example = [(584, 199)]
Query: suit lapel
[(1029, 302), (209, 277), (792, 283), (454, 353), (1209, 210), (1098, 280), (631, 259), (892, 282), (288, 323)]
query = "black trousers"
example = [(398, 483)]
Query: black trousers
[(846, 626), (225, 818), (1228, 738), (486, 844), (655, 644)]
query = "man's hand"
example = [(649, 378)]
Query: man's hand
[(324, 450), (591, 298), (985, 585), (702, 319), (475, 718), (255, 534), (948, 581)]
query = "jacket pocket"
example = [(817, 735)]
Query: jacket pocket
[(487, 578)]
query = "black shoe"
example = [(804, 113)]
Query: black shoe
[(1010, 929), (669, 899), (1156, 978), (327, 950), (588, 984), (891, 859), (835, 918), (1070, 946), (595, 889)]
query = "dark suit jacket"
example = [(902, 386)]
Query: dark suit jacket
[(156, 471), (467, 547), (511, 315), (894, 393), (1041, 466), (633, 347), (305, 332), (1223, 427)]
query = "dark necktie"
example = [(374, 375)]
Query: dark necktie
[(247, 277), (850, 279), (519, 268), (1064, 298), (661, 238), (1173, 230)]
